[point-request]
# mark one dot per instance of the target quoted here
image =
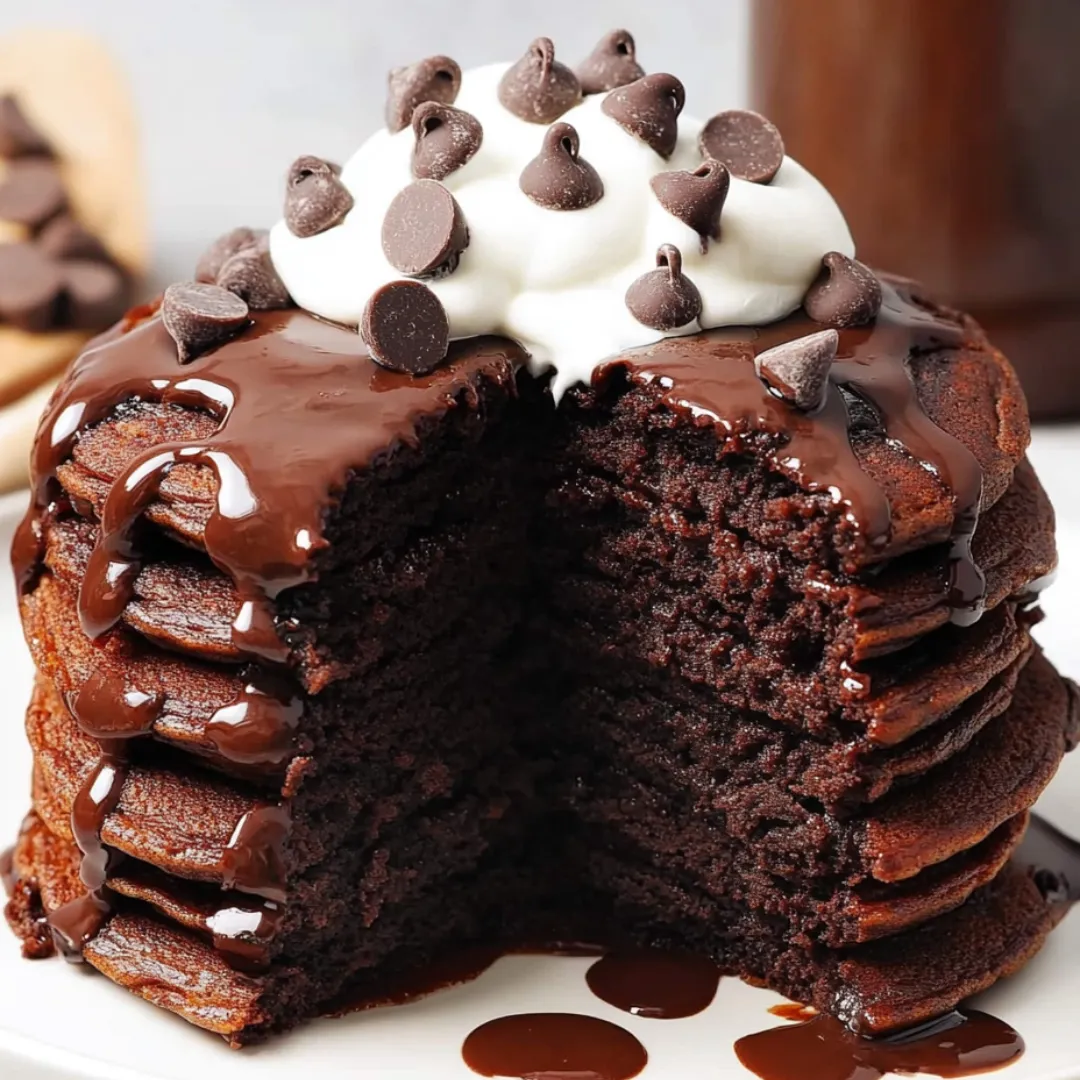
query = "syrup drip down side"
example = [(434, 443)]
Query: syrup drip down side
[(115, 714), (271, 495)]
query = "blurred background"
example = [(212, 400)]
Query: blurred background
[(229, 92)]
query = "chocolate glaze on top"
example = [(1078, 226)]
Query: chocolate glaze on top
[(961, 1043), (711, 375), (301, 406)]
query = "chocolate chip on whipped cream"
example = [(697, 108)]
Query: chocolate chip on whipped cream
[(558, 178), (424, 231), (749, 145), (199, 316), (556, 280), (798, 371), (446, 138), (315, 197), (664, 298), (405, 327), (695, 197), (538, 88), (611, 64), (649, 110), (31, 192), (844, 293), (435, 78)]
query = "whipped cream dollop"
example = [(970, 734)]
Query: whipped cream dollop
[(556, 280)]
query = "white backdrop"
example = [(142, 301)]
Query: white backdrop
[(231, 91)]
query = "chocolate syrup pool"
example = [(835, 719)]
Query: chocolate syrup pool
[(554, 1046), (654, 983), (961, 1043)]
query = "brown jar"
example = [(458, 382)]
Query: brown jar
[(949, 133)]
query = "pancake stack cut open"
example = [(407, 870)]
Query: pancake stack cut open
[(341, 668), (73, 233)]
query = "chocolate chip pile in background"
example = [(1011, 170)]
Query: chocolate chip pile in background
[(54, 273)]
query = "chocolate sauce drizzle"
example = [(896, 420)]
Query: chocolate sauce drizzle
[(300, 406), (712, 376), (112, 714), (259, 727), (243, 934)]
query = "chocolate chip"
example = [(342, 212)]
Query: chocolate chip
[(446, 138), (798, 371), (664, 298), (845, 293), (199, 316), (18, 137), (612, 63), (65, 238), (405, 327), (250, 274), (438, 78), (223, 248), (538, 88), (315, 197), (424, 230), (95, 293), (30, 284), (695, 198), (557, 179), (649, 109), (748, 144), (31, 192)]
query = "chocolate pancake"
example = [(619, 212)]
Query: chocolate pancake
[(342, 666)]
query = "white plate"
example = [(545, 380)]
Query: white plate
[(61, 1024)]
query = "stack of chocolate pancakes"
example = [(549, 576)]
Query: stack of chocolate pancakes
[(343, 668)]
